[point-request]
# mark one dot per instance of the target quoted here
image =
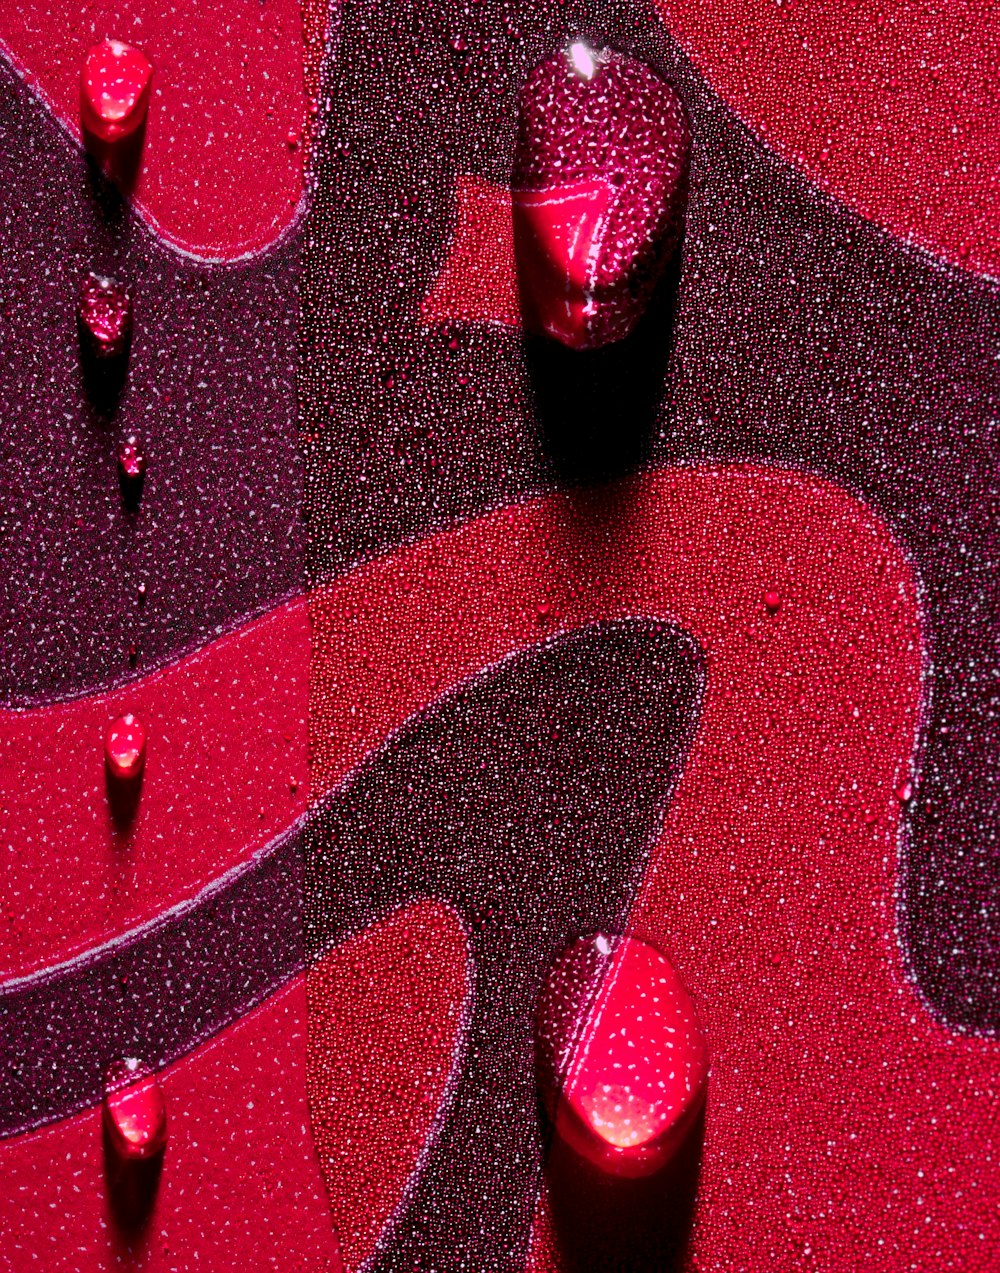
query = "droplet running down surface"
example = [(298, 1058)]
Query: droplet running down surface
[(622, 1060)]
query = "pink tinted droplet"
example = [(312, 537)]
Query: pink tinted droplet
[(114, 90), (772, 600), (125, 746), (131, 459), (598, 193), (622, 1059), (135, 1113), (105, 315)]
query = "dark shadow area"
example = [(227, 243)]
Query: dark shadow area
[(123, 798), (132, 1185), (610, 1224), (597, 408), (131, 492), (114, 162), (103, 378)]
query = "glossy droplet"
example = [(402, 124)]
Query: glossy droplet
[(622, 1059), (773, 601), (114, 90), (598, 190), (131, 459), (105, 316), (135, 1113), (125, 746)]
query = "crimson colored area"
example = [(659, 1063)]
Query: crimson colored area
[(890, 106), (225, 771), (477, 282), (385, 1011), (221, 170), (779, 852)]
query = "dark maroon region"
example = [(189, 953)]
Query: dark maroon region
[(789, 332), (208, 388)]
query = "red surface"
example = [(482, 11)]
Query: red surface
[(385, 1009), (478, 280), (226, 730), (845, 1128), (889, 106), (218, 176), (239, 1187)]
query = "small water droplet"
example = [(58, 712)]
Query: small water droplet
[(131, 459), (125, 746), (135, 1113), (105, 316)]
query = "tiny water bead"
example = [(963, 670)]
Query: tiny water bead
[(125, 747), (105, 316), (132, 474), (114, 90), (599, 189), (622, 1060), (135, 1112), (131, 459)]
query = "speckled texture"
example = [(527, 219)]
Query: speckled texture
[(773, 885), (823, 878), (209, 389), (793, 333), (157, 993), (500, 803), (221, 158)]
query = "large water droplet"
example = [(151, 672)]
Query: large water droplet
[(622, 1059), (599, 189)]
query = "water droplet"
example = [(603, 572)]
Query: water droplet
[(114, 90), (105, 316), (601, 140), (125, 747), (135, 1113), (623, 1061), (131, 458)]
